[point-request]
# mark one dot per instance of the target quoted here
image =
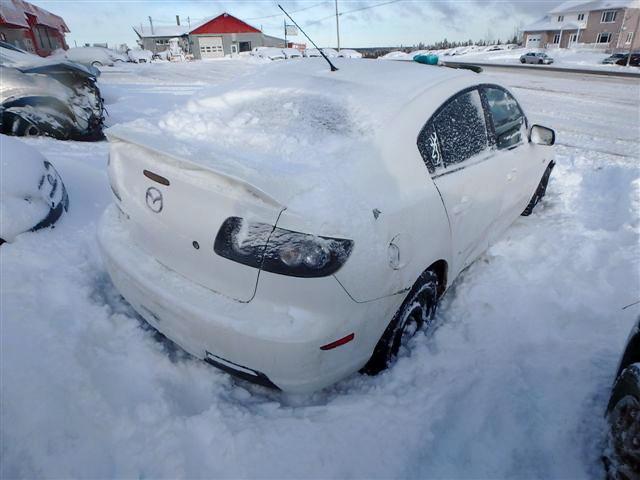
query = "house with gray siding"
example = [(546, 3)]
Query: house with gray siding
[(610, 25), (211, 38)]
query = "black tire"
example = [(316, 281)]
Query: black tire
[(522, 60), (23, 128), (540, 62), (622, 456), (96, 63), (540, 192), (415, 313)]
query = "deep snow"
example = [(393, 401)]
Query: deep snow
[(512, 382)]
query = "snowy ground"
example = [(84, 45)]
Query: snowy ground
[(511, 384)]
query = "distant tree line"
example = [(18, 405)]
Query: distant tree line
[(444, 44)]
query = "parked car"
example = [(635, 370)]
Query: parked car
[(540, 58), (635, 60), (94, 56), (613, 58), (39, 96), (622, 455), (292, 53), (140, 56), (312, 52), (327, 246), (32, 194), (348, 53), (272, 53)]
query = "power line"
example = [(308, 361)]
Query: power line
[(353, 11), (279, 14)]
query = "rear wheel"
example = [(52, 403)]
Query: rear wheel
[(540, 191), (622, 458), (96, 63), (540, 62), (415, 313), (23, 128)]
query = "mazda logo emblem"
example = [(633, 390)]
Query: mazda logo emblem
[(154, 199)]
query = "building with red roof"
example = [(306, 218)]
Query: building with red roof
[(31, 28), (210, 38)]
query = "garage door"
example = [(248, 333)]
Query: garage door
[(533, 41), (211, 47)]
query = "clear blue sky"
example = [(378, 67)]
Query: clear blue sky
[(403, 22)]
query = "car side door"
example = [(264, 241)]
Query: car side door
[(456, 147), (519, 159)]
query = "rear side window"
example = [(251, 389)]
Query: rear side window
[(460, 128), (455, 133), (507, 117)]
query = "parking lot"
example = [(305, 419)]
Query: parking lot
[(513, 382)]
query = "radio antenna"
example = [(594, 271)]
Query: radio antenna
[(333, 67)]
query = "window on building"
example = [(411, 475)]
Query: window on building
[(603, 37), (244, 46), (508, 120), (456, 133), (556, 38), (580, 17), (561, 18), (629, 38), (608, 16)]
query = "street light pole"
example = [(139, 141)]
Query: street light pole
[(337, 26), (633, 39)]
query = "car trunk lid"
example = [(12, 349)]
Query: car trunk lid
[(176, 208)]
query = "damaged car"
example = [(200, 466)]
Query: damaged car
[(32, 194), (43, 97)]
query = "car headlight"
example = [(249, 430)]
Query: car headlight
[(281, 251)]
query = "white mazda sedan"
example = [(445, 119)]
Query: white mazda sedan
[(299, 225)]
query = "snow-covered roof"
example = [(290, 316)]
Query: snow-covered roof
[(582, 6), (169, 30), (15, 12), (548, 24)]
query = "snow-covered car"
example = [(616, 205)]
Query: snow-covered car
[(140, 56), (60, 100), (293, 240), (32, 194), (539, 58), (622, 453), (397, 55), (312, 52), (330, 52), (348, 53), (94, 56), (49, 97), (271, 53), (292, 53)]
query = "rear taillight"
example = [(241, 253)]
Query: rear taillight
[(280, 251)]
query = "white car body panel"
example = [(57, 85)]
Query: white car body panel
[(277, 323)]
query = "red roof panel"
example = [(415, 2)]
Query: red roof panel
[(224, 23)]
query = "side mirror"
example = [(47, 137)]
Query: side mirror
[(542, 135)]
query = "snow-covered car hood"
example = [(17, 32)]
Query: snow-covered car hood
[(28, 62), (302, 134)]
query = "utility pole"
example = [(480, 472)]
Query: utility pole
[(189, 21), (337, 26), (633, 39), (178, 20), (284, 22), (151, 24)]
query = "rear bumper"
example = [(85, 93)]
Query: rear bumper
[(275, 339)]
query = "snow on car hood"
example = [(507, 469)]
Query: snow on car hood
[(295, 130)]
